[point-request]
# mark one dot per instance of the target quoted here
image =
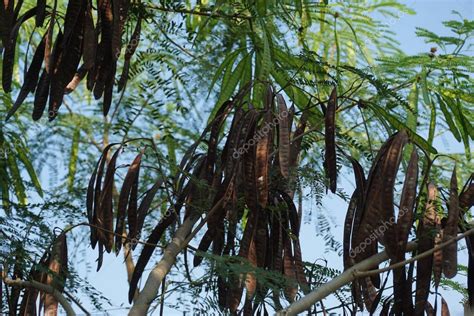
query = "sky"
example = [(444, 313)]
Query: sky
[(111, 280)]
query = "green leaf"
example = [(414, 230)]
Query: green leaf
[(246, 76), (16, 179), (229, 83), (228, 62), (449, 120), (4, 185), (23, 157), (230, 80), (465, 127), (396, 123), (424, 89), (267, 59), (457, 93)]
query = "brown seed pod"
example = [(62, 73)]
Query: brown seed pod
[(437, 259), (330, 141), (58, 269), (31, 78), (450, 252), (407, 204), (425, 233), (444, 308), (262, 163), (284, 136), (130, 185)]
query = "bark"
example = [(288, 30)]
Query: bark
[(44, 288), (152, 285)]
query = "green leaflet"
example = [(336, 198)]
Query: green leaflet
[(22, 152), (456, 109), (16, 179), (228, 62), (449, 120), (73, 158), (267, 59), (4, 190), (263, 64), (230, 80), (424, 89), (397, 124), (457, 93), (412, 113), (430, 105), (229, 83), (465, 127), (246, 76)]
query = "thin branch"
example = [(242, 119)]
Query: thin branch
[(44, 288), (72, 298), (116, 234), (129, 265), (360, 274), (201, 12), (163, 289), (352, 273)]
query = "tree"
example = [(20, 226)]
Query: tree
[(228, 118)]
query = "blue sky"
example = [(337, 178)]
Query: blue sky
[(111, 280)]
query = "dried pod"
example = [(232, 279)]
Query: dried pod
[(284, 136), (450, 252), (330, 141)]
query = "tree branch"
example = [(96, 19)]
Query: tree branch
[(150, 290), (182, 237), (44, 288), (360, 274), (357, 271)]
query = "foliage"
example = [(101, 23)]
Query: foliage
[(190, 59)]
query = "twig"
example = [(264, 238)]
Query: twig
[(351, 274), (72, 298), (44, 288), (130, 266), (115, 234), (202, 12), (360, 274), (163, 289)]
